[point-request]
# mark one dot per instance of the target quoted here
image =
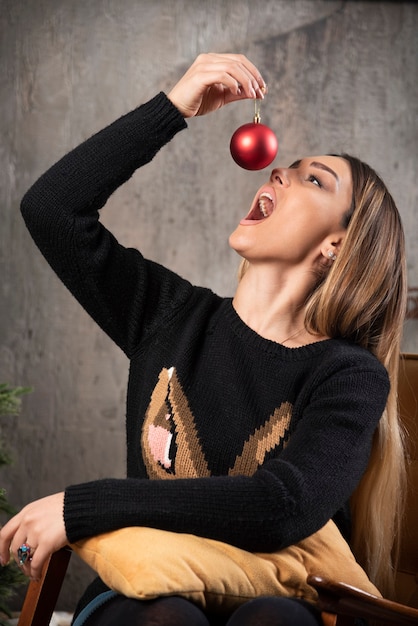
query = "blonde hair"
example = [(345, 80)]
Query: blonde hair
[(362, 298)]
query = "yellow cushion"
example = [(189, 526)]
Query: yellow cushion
[(146, 563)]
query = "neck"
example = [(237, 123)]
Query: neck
[(274, 306)]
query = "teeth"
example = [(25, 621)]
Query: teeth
[(264, 203), (262, 207)]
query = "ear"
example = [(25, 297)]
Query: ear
[(332, 244)]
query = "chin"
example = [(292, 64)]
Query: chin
[(236, 241), (240, 234)]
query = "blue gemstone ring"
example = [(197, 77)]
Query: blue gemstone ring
[(24, 554)]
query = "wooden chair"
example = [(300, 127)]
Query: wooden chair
[(340, 604), (338, 598)]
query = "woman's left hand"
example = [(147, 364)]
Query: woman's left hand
[(39, 525)]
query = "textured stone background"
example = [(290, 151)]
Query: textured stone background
[(342, 77)]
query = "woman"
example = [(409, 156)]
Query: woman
[(310, 341)]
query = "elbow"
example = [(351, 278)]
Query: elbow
[(27, 205)]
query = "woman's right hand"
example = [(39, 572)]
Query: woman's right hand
[(39, 525), (214, 80)]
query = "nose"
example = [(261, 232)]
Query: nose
[(280, 176)]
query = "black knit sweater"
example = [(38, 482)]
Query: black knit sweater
[(266, 443)]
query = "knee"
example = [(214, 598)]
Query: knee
[(275, 611)]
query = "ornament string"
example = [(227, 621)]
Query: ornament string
[(257, 109)]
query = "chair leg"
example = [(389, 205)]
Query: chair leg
[(42, 595), (331, 619)]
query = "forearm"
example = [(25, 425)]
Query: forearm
[(84, 178), (239, 510), (288, 498)]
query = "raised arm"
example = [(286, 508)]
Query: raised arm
[(61, 208)]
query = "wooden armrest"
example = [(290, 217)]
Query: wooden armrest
[(342, 599), (42, 595)]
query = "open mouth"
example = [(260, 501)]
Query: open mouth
[(262, 208)]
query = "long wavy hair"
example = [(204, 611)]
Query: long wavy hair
[(362, 298)]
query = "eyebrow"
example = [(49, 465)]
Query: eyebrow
[(318, 165)]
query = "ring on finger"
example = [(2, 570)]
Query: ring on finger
[(24, 554)]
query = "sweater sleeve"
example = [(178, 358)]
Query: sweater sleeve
[(61, 213), (288, 498)]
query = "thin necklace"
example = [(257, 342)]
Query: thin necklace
[(292, 336)]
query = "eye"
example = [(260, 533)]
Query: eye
[(313, 179)]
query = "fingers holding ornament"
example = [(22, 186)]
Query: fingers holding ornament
[(214, 80)]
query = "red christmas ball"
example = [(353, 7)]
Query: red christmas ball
[(253, 146)]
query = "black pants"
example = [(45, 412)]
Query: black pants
[(176, 611)]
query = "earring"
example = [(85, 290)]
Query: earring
[(332, 255)]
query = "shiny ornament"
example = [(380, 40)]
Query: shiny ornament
[(254, 146)]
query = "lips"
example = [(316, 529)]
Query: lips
[(262, 208)]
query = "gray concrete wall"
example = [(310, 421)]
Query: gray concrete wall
[(342, 77)]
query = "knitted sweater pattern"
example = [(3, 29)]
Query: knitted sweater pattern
[(229, 435)]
